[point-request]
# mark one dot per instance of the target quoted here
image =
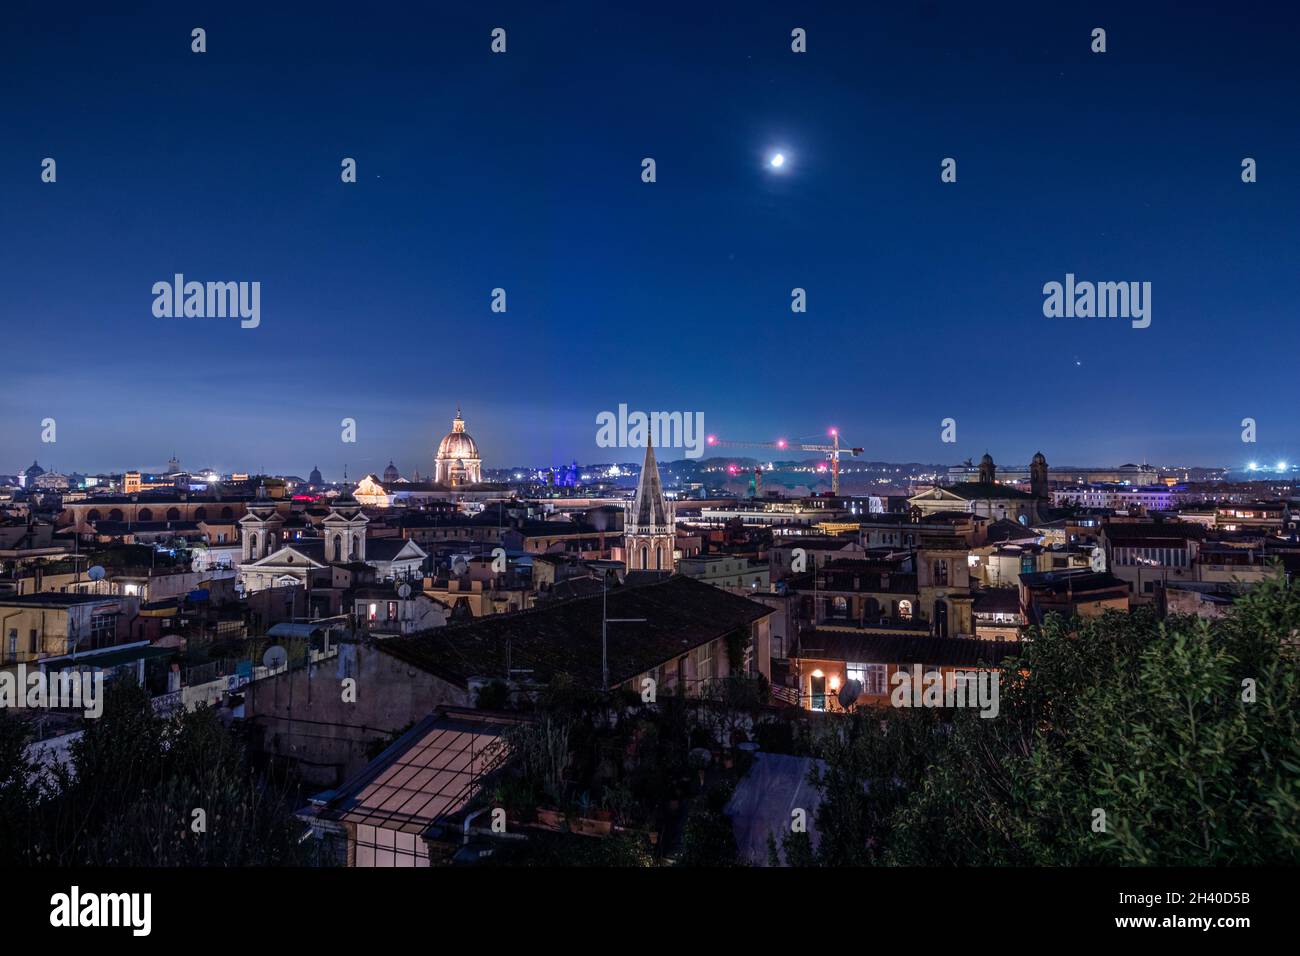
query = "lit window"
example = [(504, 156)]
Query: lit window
[(870, 676)]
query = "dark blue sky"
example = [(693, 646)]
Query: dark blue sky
[(523, 171)]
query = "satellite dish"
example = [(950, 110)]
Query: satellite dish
[(849, 693), (96, 573), (403, 590), (275, 657)]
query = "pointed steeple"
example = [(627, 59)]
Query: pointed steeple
[(649, 509), (649, 528)]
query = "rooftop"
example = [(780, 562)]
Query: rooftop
[(428, 774), (57, 599), (565, 637), (902, 649), (981, 490), (1131, 532), (1063, 582)]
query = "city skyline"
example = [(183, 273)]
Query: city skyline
[(1256, 470), (580, 436)]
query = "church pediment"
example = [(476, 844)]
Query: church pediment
[(411, 550), (252, 519), (286, 559), (386, 549), (934, 494), (336, 520)]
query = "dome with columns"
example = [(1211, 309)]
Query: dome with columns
[(457, 461)]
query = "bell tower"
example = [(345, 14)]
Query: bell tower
[(259, 529), (1038, 477), (649, 526), (345, 530)]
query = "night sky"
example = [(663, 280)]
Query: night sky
[(523, 171)]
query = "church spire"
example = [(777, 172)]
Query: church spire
[(649, 533), (649, 509)]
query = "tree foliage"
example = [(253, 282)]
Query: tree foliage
[(129, 793), (1183, 732)]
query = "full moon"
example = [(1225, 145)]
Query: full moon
[(778, 161)]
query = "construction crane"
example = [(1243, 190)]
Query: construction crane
[(833, 450)]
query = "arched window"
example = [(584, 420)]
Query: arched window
[(338, 547), (200, 514), (356, 547), (841, 606), (144, 514), (173, 514), (92, 514), (227, 513), (659, 559), (905, 610), (644, 558)]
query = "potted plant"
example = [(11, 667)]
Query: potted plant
[(590, 819)]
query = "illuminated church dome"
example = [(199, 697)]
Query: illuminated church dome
[(457, 461)]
